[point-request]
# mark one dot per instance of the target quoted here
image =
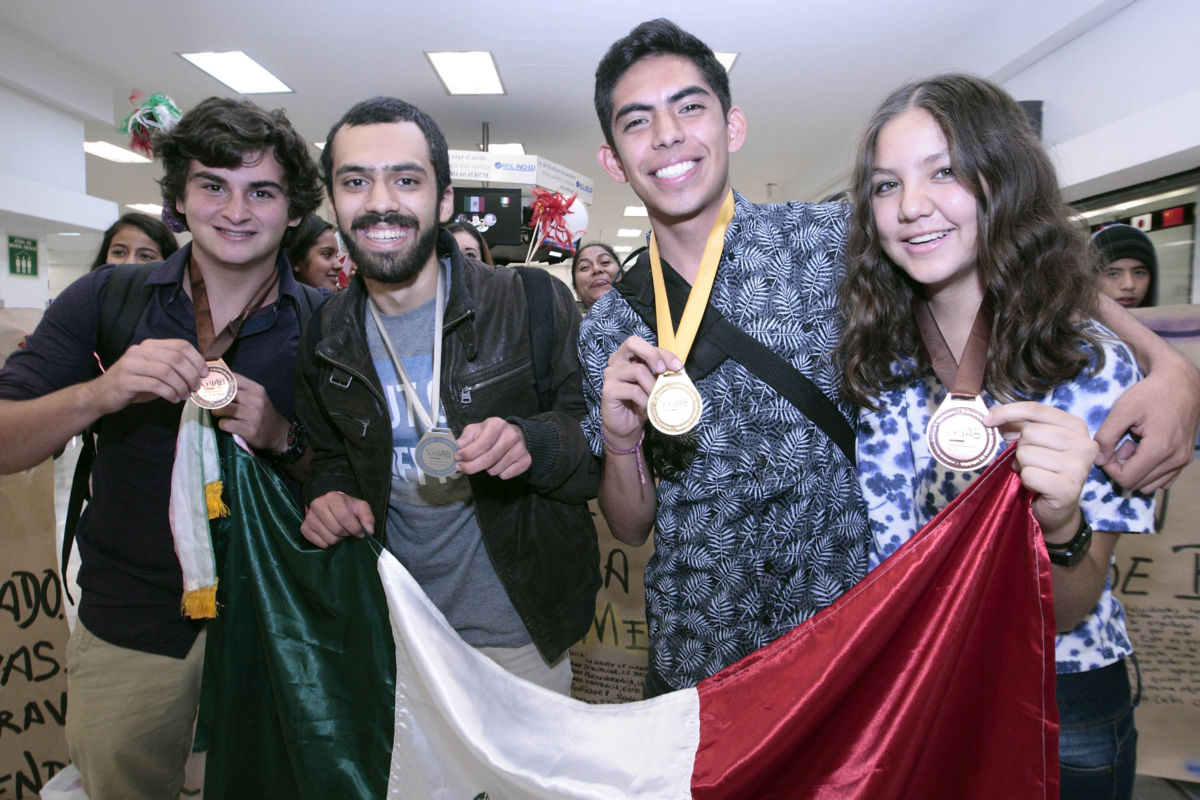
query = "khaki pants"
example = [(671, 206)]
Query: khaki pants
[(130, 717), (526, 662)]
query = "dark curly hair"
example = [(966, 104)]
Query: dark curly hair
[(657, 37), (158, 232), (221, 132), (380, 110), (1037, 269)]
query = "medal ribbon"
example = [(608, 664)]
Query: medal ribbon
[(211, 346), (680, 342), (961, 378), (427, 419)]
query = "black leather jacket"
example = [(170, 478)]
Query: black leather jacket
[(536, 528)]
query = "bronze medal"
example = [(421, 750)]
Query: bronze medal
[(674, 404), (957, 437), (217, 388), (435, 453)]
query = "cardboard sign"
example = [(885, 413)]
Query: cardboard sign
[(1157, 579), (33, 628), (610, 661)]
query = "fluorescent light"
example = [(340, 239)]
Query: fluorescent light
[(239, 72), (726, 60), (628, 233), (113, 153), (512, 149), (467, 73), (622, 249), (636, 211), (319, 145), (153, 209), (1130, 204), (69, 233), (554, 253)]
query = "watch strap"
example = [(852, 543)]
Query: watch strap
[(1070, 553)]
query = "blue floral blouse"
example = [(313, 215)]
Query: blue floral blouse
[(904, 487)]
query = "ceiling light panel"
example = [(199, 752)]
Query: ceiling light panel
[(467, 73), (111, 152), (239, 72)]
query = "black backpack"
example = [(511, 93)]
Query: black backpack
[(122, 304)]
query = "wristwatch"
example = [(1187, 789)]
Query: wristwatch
[(297, 443), (1068, 554)]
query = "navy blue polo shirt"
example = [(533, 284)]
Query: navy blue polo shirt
[(130, 580)]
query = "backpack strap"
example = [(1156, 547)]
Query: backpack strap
[(539, 301), (310, 300), (122, 303)]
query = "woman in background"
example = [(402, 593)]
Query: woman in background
[(313, 255), (135, 239), (958, 221), (594, 270), (470, 242)]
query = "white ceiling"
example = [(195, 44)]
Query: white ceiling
[(807, 76)]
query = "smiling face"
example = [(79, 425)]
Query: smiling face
[(131, 245), (672, 140), (595, 271), (237, 215), (926, 220), (320, 265), (386, 201)]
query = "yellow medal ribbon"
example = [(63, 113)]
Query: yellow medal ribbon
[(680, 343)]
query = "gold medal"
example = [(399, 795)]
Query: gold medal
[(674, 404), (435, 453), (217, 388), (957, 437)]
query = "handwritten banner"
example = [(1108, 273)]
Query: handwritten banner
[(610, 661), (33, 630), (1157, 579)]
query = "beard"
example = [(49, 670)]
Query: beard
[(391, 267)]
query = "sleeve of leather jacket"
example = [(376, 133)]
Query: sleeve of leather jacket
[(330, 466), (563, 465)]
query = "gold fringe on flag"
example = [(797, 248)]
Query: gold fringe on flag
[(200, 603), (212, 499)]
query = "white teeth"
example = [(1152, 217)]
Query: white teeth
[(675, 170), (384, 236), (927, 237)]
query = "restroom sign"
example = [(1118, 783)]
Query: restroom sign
[(22, 256)]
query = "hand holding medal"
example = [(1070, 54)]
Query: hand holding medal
[(957, 436), (675, 405), (219, 387)]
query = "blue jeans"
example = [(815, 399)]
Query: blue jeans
[(1097, 743)]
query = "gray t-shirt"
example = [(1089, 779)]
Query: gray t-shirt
[(431, 525)]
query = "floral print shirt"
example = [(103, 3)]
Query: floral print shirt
[(904, 487)]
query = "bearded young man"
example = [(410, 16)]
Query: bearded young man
[(758, 521), (418, 389)]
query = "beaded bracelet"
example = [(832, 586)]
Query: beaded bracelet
[(635, 450)]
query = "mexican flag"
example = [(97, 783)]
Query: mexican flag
[(331, 675)]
